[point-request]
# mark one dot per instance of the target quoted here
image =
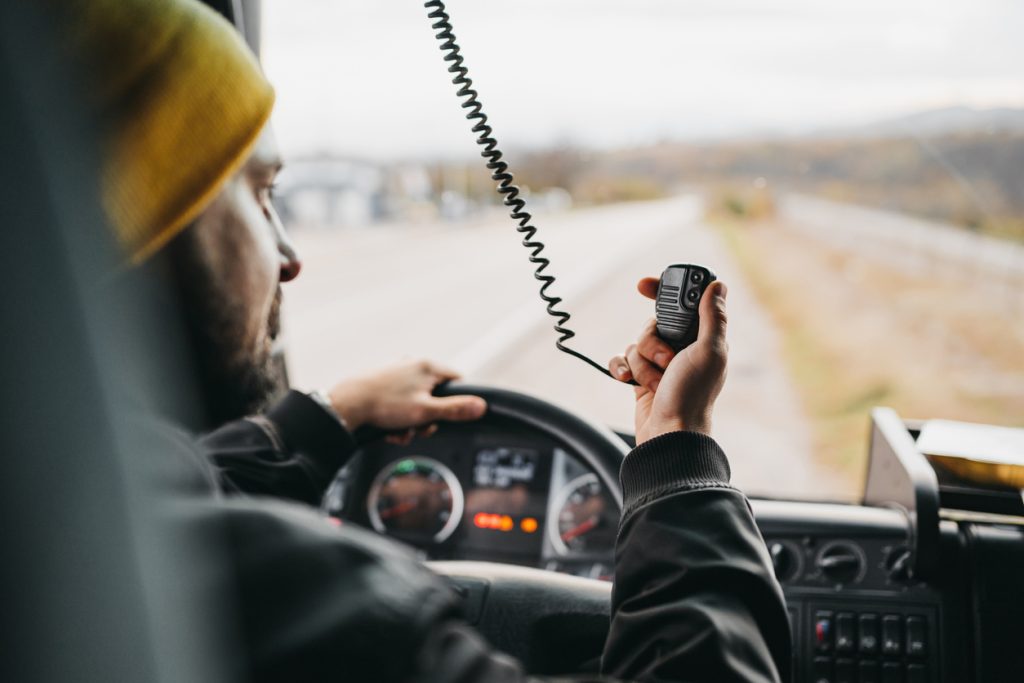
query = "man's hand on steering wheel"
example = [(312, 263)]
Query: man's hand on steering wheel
[(677, 391), (400, 398)]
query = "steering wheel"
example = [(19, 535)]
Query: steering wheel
[(553, 623), (598, 446)]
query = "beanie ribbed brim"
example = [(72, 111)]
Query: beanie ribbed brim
[(184, 100)]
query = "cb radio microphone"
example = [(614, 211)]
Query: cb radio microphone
[(680, 290)]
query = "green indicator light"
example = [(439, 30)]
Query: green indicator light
[(405, 466)]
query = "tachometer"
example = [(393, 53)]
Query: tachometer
[(415, 499), (585, 522)]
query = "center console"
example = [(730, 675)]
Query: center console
[(856, 612), (920, 584)]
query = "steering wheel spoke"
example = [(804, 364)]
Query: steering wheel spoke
[(554, 623)]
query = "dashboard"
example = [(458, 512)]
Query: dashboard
[(489, 491), (509, 491)]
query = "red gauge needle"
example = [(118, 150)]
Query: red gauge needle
[(579, 529), (394, 510)]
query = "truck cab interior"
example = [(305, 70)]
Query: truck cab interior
[(918, 581)]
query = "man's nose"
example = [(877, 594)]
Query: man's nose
[(290, 263)]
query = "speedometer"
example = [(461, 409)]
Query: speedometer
[(415, 499), (585, 521)]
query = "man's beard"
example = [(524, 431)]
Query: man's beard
[(235, 378)]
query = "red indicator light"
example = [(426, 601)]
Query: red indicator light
[(528, 525)]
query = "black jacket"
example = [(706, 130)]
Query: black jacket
[(695, 598)]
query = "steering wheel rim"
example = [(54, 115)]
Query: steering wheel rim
[(597, 445), (554, 623)]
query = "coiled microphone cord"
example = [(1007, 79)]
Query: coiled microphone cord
[(501, 175)]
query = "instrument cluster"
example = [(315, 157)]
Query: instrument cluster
[(497, 494)]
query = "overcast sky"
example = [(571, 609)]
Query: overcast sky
[(366, 78)]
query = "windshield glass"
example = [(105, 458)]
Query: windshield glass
[(852, 170)]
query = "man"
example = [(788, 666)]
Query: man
[(188, 189), (237, 248), (188, 170)]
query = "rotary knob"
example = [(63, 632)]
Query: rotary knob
[(841, 563), (899, 563), (785, 561)]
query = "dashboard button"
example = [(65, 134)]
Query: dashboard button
[(892, 635), (916, 673), (917, 640), (822, 670), (846, 632), (868, 634), (892, 673), (823, 631), (846, 671), (868, 672)]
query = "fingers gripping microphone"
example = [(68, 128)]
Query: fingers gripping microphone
[(680, 290)]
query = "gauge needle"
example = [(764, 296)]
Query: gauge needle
[(579, 529), (395, 510)]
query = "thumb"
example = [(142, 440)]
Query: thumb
[(713, 318), (648, 286), (455, 408)]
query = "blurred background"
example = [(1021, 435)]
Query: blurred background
[(853, 170)]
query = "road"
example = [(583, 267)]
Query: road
[(465, 295)]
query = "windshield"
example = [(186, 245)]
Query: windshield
[(852, 170)]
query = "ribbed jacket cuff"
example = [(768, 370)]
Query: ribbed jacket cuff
[(305, 427), (670, 463)]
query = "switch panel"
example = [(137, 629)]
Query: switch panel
[(865, 642)]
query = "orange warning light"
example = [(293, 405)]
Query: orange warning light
[(484, 520), (529, 525)]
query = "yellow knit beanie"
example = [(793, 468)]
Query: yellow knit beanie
[(184, 101)]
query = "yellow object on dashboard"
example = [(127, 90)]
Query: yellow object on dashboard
[(983, 454)]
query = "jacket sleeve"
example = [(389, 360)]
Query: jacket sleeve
[(292, 451), (695, 596), (694, 600)]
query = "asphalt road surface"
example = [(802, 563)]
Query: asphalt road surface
[(465, 295)]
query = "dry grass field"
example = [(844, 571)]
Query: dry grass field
[(858, 334)]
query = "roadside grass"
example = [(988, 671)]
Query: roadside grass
[(831, 400), (857, 334)]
